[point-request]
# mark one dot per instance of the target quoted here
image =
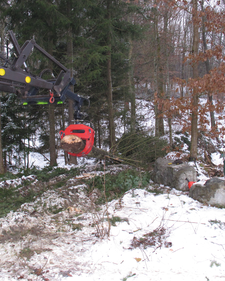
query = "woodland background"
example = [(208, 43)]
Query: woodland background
[(170, 53)]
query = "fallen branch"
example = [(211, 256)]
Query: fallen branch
[(186, 221), (74, 144)]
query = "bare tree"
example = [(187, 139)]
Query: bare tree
[(194, 116), (207, 65)]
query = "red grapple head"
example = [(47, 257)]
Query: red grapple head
[(84, 132)]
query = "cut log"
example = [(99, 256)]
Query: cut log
[(98, 153), (72, 144)]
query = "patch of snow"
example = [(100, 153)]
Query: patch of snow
[(217, 159), (38, 160), (194, 249)]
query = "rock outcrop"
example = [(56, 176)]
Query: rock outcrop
[(212, 192), (167, 172)]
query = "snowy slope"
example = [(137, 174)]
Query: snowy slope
[(165, 237), (154, 237)]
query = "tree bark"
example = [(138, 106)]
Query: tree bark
[(112, 137), (194, 117), (131, 88), (184, 47), (159, 124), (72, 159), (2, 170), (110, 104), (207, 66), (98, 153), (99, 133), (52, 145), (52, 135)]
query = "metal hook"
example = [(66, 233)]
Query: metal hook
[(52, 99)]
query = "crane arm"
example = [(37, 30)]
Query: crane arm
[(16, 77)]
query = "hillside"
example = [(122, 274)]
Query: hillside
[(64, 229)]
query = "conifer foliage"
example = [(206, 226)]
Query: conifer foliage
[(168, 52), (19, 124)]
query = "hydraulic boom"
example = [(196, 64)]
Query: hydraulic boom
[(15, 77)]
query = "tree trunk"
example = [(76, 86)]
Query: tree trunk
[(99, 133), (2, 34), (170, 131), (98, 153), (159, 131), (194, 117), (207, 66), (63, 128), (109, 84), (72, 159), (110, 104), (72, 144), (52, 145), (131, 89), (52, 135), (167, 84), (183, 57), (2, 170)]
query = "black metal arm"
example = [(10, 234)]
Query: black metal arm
[(16, 78)]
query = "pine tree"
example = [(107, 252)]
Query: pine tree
[(18, 123), (102, 63), (100, 35), (41, 20)]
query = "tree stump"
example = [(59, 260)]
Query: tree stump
[(72, 144)]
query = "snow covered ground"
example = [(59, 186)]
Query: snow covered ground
[(141, 236), (160, 237)]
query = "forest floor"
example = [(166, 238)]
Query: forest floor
[(67, 231)]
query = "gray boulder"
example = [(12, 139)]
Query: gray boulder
[(173, 175), (212, 192)]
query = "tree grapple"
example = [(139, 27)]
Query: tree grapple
[(15, 77), (84, 142)]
